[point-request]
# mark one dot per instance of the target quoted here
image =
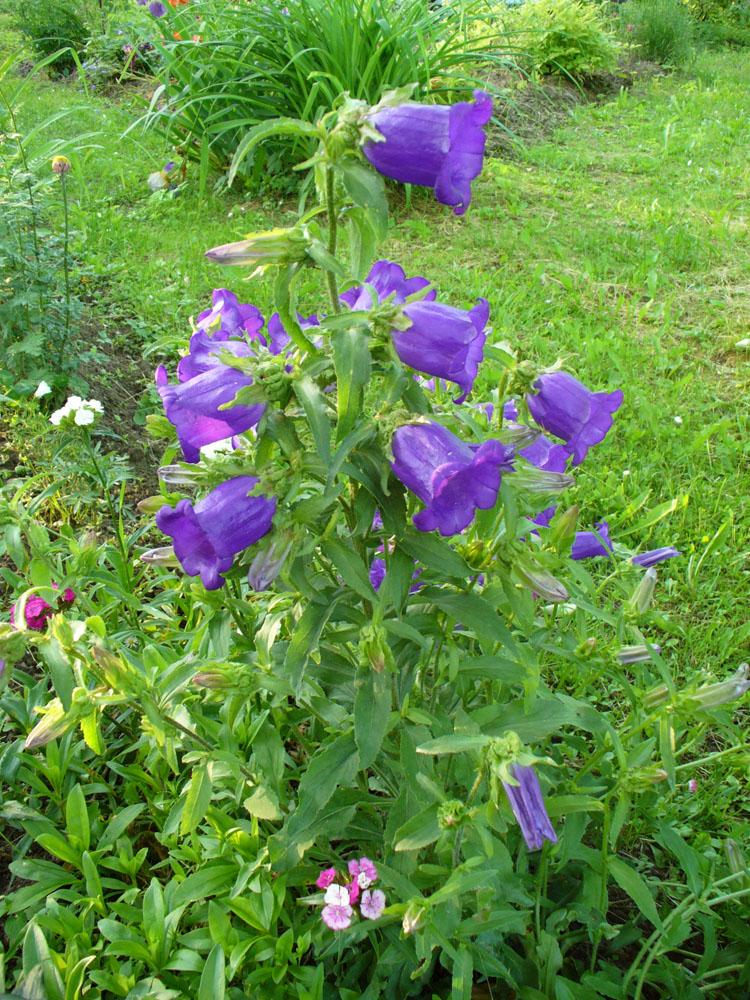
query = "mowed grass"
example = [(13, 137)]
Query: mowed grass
[(620, 245)]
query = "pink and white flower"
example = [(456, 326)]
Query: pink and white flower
[(363, 872), (372, 904), (337, 913)]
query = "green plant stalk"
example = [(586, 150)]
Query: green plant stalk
[(66, 267), (333, 225), (472, 792)]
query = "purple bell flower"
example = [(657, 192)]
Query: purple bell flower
[(433, 145), (545, 455), (276, 338), (194, 408), (654, 556), (207, 535), (442, 341), (528, 807), (590, 544), (205, 354), (236, 318), (451, 477), (387, 279), (157, 8), (563, 406)]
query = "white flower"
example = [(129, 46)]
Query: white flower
[(156, 181), (83, 417), (42, 390), (58, 415), (83, 411), (678, 420), (337, 895), (94, 404)]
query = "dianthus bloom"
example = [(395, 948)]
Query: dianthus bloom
[(337, 913), (37, 611), (528, 807), (207, 535), (433, 145), (563, 406), (442, 341), (372, 903), (453, 478)]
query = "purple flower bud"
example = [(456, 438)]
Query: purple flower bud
[(590, 544), (268, 564), (157, 8), (654, 556), (636, 654), (433, 145), (714, 695), (451, 477), (563, 406), (194, 407), (207, 535), (528, 807)]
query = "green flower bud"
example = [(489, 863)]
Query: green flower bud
[(55, 723), (414, 918), (643, 593), (263, 250), (530, 574)]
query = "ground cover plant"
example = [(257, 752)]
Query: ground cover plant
[(161, 816)]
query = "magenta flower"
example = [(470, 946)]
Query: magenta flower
[(453, 478), (353, 889), (528, 807), (326, 877), (337, 913), (434, 146), (207, 535), (563, 406), (373, 904), (37, 611), (654, 556)]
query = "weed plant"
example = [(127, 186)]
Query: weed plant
[(662, 30)]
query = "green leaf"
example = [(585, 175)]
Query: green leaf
[(472, 611), (372, 710), (455, 743), (633, 884), (435, 554), (318, 252), (77, 820), (690, 860), (198, 799), (279, 126), (119, 824), (316, 409), (213, 981), (419, 831), (60, 669), (216, 878), (74, 983), (351, 360), (306, 637), (353, 571), (153, 919), (463, 975), (366, 188), (363, 242)]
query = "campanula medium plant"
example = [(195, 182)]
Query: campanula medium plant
[(364, 666)]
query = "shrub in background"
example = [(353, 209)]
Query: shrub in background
[(727, 12), (662, 30), (53, 26), (226, 68), (566, 37)]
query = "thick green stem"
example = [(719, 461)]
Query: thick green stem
[(460, 832), (333, 223)]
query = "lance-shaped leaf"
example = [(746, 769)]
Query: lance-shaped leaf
[(351, 359)]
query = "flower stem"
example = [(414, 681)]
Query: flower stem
[(66, 267), (460, 832), (333, 288)]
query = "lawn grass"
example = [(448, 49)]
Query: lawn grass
[(620, 245)]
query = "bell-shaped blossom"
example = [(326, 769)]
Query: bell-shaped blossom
[(206, 351), (451, 477), (528, 807), (207, 535), (388, 279), (442, 341), (337, 913), (654, 556), (563, 406), (372, 903), (234, 318), (433, 145), (546, 455), (590, 544), (276, 338), (194, 407)]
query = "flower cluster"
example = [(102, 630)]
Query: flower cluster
[(76, 410), (37, 610), (340, 899)]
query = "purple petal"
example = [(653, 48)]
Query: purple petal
[(591, 544), (654, 556), (528, 807)]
